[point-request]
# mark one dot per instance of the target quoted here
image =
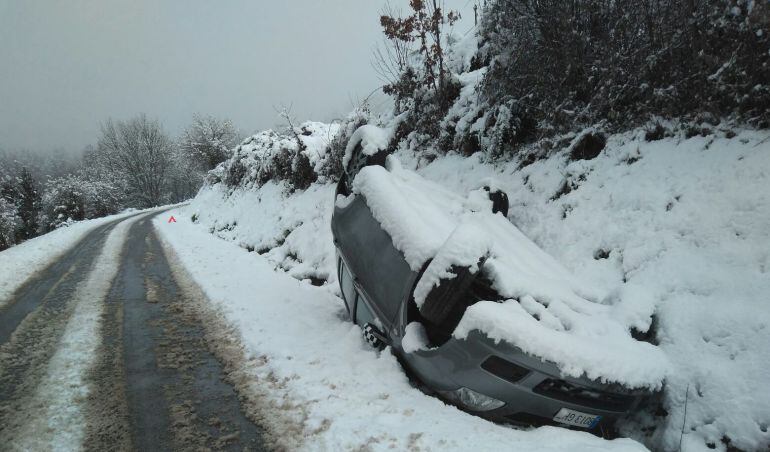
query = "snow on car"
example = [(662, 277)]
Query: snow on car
[(475, 309)]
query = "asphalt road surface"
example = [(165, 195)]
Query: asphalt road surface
[(100, 352)]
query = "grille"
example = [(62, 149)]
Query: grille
[(528, 419), (504, 369), (593, 398)]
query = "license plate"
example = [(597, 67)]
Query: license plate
[(576, 418)]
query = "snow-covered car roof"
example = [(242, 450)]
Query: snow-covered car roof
[(547, 314)]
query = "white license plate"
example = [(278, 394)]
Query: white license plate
[(576, 418)]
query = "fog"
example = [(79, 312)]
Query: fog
[(66, 66)]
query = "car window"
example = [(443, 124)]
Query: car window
[(348, 290), (373, 256), (363, 314)]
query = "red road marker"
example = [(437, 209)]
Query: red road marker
[(172, 219)]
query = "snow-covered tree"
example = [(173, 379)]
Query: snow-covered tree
[(28, 205), (76, 197), (9, 223), (64, 201), (207, 142), (20, 190)]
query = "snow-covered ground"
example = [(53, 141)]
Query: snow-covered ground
[(20, 262), (320, 385), (678, 228)]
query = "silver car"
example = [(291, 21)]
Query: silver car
[(494, 380)]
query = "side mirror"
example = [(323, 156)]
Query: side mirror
[(499, 200)]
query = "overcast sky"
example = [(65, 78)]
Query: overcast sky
[(66, 66)]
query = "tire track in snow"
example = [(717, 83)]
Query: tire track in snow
[(32, 340), (31, 294), (54, 418), (108, 422)]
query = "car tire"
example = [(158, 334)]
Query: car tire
[(445, 298), (499, 201), (359, 160), (372, 336)]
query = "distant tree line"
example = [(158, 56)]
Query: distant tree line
[(135, 163)]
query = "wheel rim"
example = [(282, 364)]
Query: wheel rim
[(356, 163)]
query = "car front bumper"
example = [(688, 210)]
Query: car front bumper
[(458, 363)]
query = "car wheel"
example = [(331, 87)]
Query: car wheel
[(447, 296), (373, 336), (359, 160), (499, 200)]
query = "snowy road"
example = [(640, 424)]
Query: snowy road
[(99, 351)]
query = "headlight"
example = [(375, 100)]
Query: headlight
[(473, 400)]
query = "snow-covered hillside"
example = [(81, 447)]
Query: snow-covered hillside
[(677, 228), (674, 230)]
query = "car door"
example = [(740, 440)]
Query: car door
[(380, 271), (358, 309)]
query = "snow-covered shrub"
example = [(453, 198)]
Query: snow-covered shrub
[(102, 198), (74, 198), (421, 123), (63, 201), (331, 169), (296, 158), (302, 173), (579, 63), (508, 126), (538, 70), (207, 141)]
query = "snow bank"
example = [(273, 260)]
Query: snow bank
[(316, 369), (549, 314), (678, 228), (20, 262), (291, 231)]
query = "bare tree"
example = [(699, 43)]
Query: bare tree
[(391, 58), (208, 141), (141, 152)]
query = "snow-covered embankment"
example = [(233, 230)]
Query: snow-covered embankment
[(677, 228)]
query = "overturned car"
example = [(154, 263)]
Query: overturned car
[(474, 309)]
